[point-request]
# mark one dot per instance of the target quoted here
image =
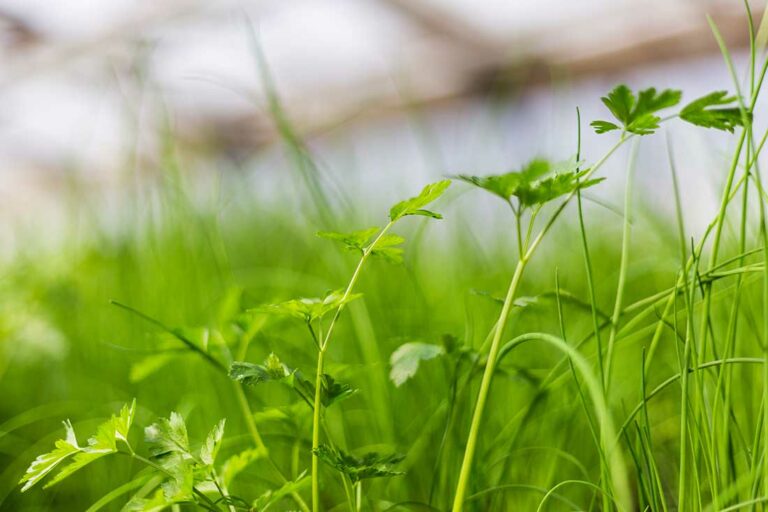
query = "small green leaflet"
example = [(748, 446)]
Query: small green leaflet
[(636, 114), (415, 205), (273, 369), (370, 465), (46, 462), (507, 185), (530, 186), (252, 374), (405, 360), (169, 444), (547, 189), (360, 240), (356, 240), (169, 435), (334, 391), (704, 112), (312, 309), (212, 443), (104, 442)]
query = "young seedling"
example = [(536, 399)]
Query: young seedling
[(325, 391), (527, 189)]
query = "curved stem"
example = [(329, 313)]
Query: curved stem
[(482, 397)]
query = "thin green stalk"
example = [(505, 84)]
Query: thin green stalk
[(485, 384), (323, 347), (588, 261), (617, 305)]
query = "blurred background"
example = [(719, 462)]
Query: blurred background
[(387, 92), (177, 155)]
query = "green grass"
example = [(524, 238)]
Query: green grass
[(560, 357)]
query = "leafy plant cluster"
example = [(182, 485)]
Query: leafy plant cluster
[(179, 472)]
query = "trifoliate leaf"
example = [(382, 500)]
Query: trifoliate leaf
[(274, 370), (553, 187), (212, 443), (370, 465), (334, 391), (46, 462), (104, 442), (405, 360), (167, 436), (507, 185), (701, 112), (357, 240), (415, 205), (360, 240), (252, 374), (529, 185), (637, 115), (312, 309)]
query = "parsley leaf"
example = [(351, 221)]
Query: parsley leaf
[(701, 112), (636, 114), (370, 465), (530, 187), (415, 205), (405, 360)]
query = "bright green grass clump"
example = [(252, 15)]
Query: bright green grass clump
[(245, 364)]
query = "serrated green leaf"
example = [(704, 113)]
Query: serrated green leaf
[(331, 392), (334, 391), (103, 443), (370, 465), (393, 255), (46, 462), (415, 205), (212, 443), (167, 436), (637, 115), (122, 423), (388, 240), (252, 374), (553, 187), (507, 185), (603, 126), (701, 112), (385, 248), (405, 360), (310, 309), (180, 484), (356, 240), (528, 184)]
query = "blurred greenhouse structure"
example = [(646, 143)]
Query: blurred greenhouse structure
[(88, 89)]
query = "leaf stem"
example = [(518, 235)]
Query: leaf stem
[(485, 385), (322, 347)]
